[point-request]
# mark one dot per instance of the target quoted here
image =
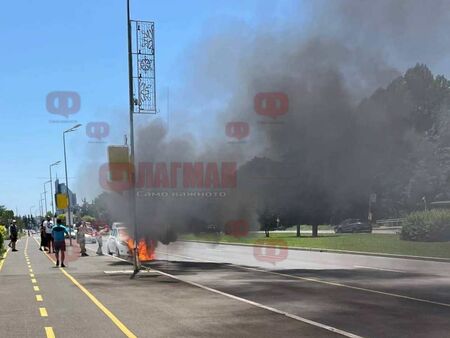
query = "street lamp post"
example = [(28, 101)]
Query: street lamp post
[(45, 197), (51, 188), (41, 207), (69, 220), (31, 213), (42, 204)]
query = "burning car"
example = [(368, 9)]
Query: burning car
[(118, 241), (121, 243)]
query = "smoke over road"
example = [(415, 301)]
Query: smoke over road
[(319, 160)]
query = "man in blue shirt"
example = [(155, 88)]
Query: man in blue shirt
[(59, 244)]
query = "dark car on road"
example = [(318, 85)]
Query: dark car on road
[(353, 225)]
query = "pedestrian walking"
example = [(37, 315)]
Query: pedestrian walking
[(48, 226), (81, 239), (59, 242), (13, 235)]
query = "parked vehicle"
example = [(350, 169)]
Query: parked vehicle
[(73, 234), (117, 240), (90, 239), (353, 225)]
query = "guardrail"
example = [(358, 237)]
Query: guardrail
[(390, 222)]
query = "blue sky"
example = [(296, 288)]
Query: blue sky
[(81, 46)]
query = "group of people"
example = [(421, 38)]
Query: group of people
[(53, 239)]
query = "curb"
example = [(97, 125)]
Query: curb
[(362, 253)]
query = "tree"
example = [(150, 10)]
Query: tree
[(6, 216)]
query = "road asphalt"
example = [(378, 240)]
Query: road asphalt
[(364, 295), (212, 290), (95, 297)]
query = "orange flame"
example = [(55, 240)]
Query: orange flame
[(146, 251)]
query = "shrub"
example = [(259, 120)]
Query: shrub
[(3, 236), (427, 226)]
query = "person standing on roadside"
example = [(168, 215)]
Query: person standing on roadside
[(81, 239), (59, 242), (13, 235), (43, 237), (99, 236), (48, 226)]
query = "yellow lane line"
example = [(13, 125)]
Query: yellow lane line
[(39, 298), (3, 259), (49, 332), (32, 275), (36, 288), (31, 270), (103, 308), (43, 312), (33, 280)]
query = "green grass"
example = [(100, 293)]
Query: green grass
[(389, 244)]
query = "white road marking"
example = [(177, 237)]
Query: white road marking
[(328, 283), (381, 269), (111, 272), (289, 315)]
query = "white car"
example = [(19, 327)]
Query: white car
[(90, 239), (73, 234), (117, 242)]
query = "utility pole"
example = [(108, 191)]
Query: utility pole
[(372, 200), (132, 197), (143, 103), (67, 180), (45, 197), (424, 199), (51, 189)]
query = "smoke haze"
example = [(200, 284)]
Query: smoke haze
[(320, 160)]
